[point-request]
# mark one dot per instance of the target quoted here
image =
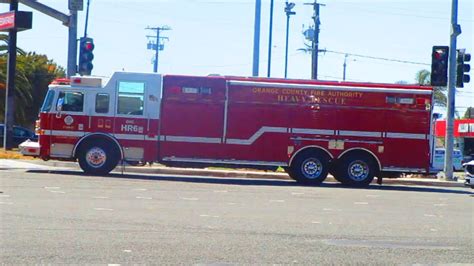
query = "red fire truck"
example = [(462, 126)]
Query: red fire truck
[(354, 131)]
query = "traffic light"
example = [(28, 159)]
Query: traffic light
[(86, 46), (439, 66), (462, 69)]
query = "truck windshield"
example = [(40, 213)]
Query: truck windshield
[(48, 101)]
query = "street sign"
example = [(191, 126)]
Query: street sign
[(77, 5), (19, 20)]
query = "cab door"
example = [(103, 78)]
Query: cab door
[(136, 116), (68, 123)]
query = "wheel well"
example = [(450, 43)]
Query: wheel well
[(94, 137), (310, 148), (361, 152)]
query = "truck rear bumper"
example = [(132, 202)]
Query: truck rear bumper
[(29, 148)]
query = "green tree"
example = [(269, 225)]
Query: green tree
[(34, 73), (423, 77)]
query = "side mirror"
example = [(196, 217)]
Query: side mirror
[(59, 107)]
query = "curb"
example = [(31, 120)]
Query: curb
[(244, 174)]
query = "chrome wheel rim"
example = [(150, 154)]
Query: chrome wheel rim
[(312, 168), (358, 170), (96, 157)]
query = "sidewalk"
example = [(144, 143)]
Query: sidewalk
[(231, 173)]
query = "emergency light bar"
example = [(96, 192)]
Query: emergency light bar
[(86, 82)]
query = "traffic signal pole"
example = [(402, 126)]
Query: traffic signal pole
[(10, 93), (449, 141), (72, 44)]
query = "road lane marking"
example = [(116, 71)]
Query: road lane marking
[(430, 215), (440, 204), (6, 203), (207, 215), (103, 209), (4, 196), (100, 197), (433, 230), (277, 200), (327, 209), (139, 189), (189, 198), (231, 203), (52, 187), (361, 203), (57, 191), (315, 222), (220, 191), (297, 193), (373, 196), (148, 198), (127, 250)]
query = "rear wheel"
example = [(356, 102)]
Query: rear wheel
[(356, 170), (310, 168), (98, 157)]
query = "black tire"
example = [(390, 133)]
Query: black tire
[(356, 169), (310, 168), (98, 157)]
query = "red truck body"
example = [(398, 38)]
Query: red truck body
[(239, 121)]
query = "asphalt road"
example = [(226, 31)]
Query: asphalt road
[(64, 217)]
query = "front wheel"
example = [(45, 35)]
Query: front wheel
[(356, 170), (98, 157), (310, 168)]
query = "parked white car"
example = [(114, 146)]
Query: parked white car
[(438, 160), (469, 171)]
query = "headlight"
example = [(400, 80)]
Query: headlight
[(469, 170)]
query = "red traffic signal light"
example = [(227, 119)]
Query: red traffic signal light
[(439, 65), (86, 47), (89, 46)]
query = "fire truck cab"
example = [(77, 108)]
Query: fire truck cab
[(354, 131)]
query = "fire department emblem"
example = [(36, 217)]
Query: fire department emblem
[(68, 120)]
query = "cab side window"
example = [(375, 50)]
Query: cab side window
[(71, 101), (102, 103), (130, 98)]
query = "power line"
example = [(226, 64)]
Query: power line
[(379, 58)]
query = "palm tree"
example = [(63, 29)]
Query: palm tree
[(22, 85), (423, 77)]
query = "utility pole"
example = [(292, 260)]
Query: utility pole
[(157, 46), (10, 94), (289, 12), (455, 31), (270, 39), (256, 38), (344, 68), (315, 41)]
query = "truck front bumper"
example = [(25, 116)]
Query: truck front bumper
[(29, 148), (469, 181)]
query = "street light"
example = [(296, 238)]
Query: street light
[(270, 39), (288, 8), (345, 66)]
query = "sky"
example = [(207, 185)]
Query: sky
[(216, 37)]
